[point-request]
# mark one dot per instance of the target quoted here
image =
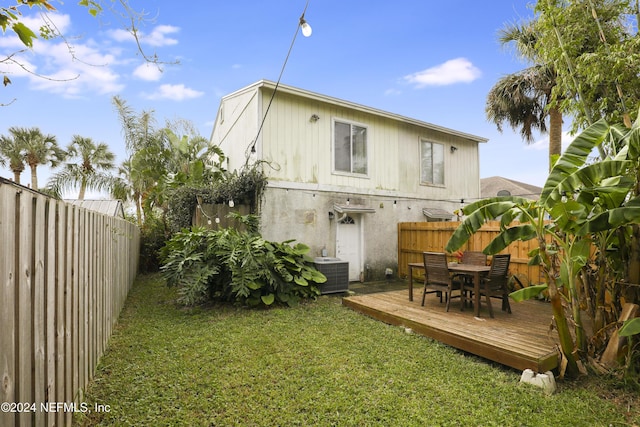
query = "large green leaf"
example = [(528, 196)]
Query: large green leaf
[(268, 299), (301, 281), (569, 215), (479, 213), (613, 218), (574, 157), (610, 194), (588, 177), (300, 249), (632, 140), (530, 292), (522, 232), (630, 327)]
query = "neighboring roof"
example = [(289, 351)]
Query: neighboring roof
[(436, 213), (339, 102), (106, 207), (500, 186)]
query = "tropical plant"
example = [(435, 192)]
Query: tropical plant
[(239, 267), (94, 161), (127, 186), (245, 187), (145, 170), (37, 149), (524, 99), (193, 160), (582, 206), (11, 153), (594, 47)]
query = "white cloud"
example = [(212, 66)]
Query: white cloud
[(459, 70), (71, 68), (157, 37), (121, 35), (543, 143), (59, 23), (148, 72), (174, 93), (68, 70)]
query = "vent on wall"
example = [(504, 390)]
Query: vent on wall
[(337, 272)]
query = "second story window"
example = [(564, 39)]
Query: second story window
[(350, 148), (431, 163)]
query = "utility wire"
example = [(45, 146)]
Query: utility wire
[(275, 89)]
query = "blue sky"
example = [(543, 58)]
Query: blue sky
[(429, 60)]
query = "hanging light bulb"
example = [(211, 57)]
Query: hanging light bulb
[(305, 27)]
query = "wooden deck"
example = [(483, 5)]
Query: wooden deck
[(520, 340)]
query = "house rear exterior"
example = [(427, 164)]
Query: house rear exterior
[(342, 175)]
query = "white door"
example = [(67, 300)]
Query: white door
[(349, 245)]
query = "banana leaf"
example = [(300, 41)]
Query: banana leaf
[(630, 327), (478, 213), (574, 157), (528, 293), (522, 232)]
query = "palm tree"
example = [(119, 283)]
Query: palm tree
[(94, 161), (10, 153), (192, 159), (37, 149), (524, 99), (148, 156), (128, 186)]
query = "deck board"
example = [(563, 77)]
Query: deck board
[(520, 340)]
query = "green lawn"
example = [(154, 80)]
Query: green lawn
[(317, 364)]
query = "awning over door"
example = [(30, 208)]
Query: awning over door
[(436, 214), (353, 209)]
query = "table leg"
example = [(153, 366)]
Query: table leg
[(476, 292), (410, 283)]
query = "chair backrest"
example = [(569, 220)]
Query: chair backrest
[(474, 257), (499, 268), (435, 266)]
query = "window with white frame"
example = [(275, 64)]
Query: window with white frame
[(349, 148), (431, 162)]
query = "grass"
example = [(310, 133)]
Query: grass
[(317, 364)]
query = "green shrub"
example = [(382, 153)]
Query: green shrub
[(239, 267), (243, 188), (153, 236)]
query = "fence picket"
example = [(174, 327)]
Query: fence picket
[(64, 275), (7, 303), (417, 237)]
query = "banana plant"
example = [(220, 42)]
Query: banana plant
[(581, 205)]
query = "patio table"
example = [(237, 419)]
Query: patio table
[(474, 270)]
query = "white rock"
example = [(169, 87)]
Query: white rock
[(546, 381)]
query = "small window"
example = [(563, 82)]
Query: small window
[(348, 220), (350, 148), (431, 163)]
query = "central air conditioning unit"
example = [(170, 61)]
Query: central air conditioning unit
[(337, 272)]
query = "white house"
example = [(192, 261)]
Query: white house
[(342, 175)]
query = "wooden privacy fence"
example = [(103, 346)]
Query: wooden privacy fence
[(417, 237), (64, 276)]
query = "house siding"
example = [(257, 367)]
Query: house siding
[(301, 151), (303, 214), (236, 126), (302, 188)]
